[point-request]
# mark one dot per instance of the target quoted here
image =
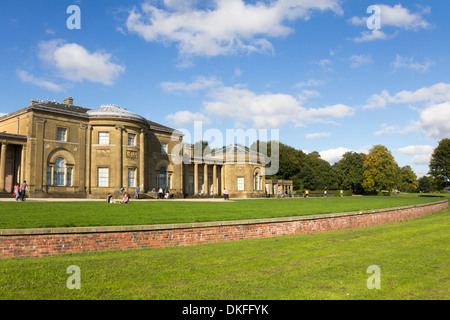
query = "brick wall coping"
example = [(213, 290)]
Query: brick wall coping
[(133, 228)]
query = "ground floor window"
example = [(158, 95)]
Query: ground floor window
[(257, 182), (162, 178), (103, 177), (59, 174), (131, 177), (240, 183)]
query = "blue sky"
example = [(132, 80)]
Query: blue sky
[(313, 70)]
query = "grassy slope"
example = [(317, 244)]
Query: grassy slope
[(70, 214), (413, 257)]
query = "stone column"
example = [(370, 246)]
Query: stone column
[(205, 180), (142, 161), (214, 180), (39, 159), (88, 160), (79, 172), (22, 163), (195, 179), (3, 166), (118, 169), (222, 178)]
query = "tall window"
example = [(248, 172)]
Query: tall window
[(163, 147), (256, 182), (240, 183), (59, 172), (131, 177), (162, 177), (103, 138), (61, 134), (131, 139), (169, 181), (103, 177), (69, 177), (49, 176)]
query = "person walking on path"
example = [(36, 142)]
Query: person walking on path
[(16, 191), (23, 188)]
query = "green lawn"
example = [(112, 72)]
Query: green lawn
[(413, 257), (76, 214)]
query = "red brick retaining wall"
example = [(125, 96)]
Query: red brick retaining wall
[(56, 241)]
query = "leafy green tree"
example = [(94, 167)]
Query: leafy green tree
[(308, 178), (440, 164), (407, 179), (425, 184), (349, 171), (380, 170), (325, 177)]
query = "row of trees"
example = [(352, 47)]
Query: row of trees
[(359, 172)]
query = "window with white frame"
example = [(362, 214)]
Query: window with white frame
[(61, 134), (131, 139), (103, 137), (240, 183), (131, 177), (103, 177)]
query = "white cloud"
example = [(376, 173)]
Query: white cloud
[(409, 63), (437, 93), (359, 60), (435, 121), (221, 27), (421, 153), (325, 64), (309, 83), (307, 94), (200, 83), (29, 78), (396, 17), (269, 110), (387, 130), (375, 34), (333, 155), (187, 118), (318, 135), (74, 63)]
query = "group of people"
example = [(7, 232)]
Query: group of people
[(163, 193), (19, 191), (125, 199)]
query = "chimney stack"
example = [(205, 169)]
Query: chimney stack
[(68, 100)]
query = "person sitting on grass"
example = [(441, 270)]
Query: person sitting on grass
[(125, 199)]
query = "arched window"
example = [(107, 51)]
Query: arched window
[(257, 181), (162, 177), (59, 172)]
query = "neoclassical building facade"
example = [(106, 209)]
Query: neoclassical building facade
[(64, 150)]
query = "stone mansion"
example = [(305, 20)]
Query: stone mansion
[(64, 150)]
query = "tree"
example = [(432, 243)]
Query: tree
[(440, 164), (407, 179), (425, 184), (349, 171), (324, 174), (380, 169)]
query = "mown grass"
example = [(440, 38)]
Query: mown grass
[(77, 214), (413, 257)]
